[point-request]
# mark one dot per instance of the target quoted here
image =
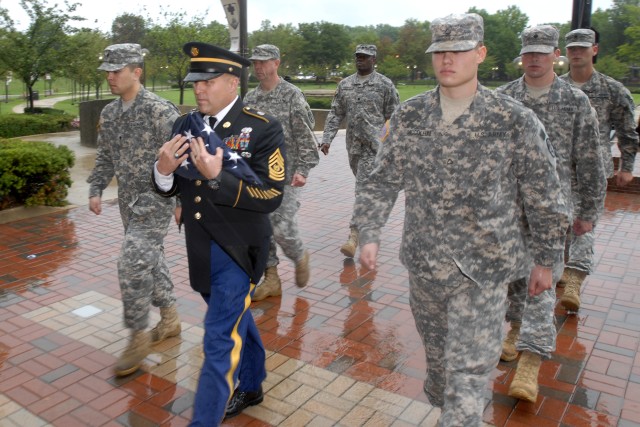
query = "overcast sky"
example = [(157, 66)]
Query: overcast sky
[(100, 13)]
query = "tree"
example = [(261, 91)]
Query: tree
[(502, 38), (629, 51), (165, 45), (288, 40), (83, 50), (413, 39), (128, 28), (32, 54), (393, 69), (610, 66), (325, 46)]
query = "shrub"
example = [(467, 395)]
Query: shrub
[(14, 125), (319, 102), (34, 173)]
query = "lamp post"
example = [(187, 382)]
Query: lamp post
[(7, 81), (47, 79), (145, 52)]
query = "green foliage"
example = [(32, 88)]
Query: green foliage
[(34, 173), (165, 45), (610, 66), (128, 28), (319, 102), (14, 125), (395, 69), (36, 52)]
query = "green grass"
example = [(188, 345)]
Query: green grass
[(72, 107)]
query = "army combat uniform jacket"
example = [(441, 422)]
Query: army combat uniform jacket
[(228, 210), (615, 109), (572, 128), (128, 144), (461, 184), (287, 103), (366, 106)]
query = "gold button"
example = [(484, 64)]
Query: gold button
[(198, 199), (198, 215), (198, 183)]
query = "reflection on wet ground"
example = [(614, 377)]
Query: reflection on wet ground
[(341, 351)]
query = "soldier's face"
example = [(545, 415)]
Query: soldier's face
[(266, 70), (581, 56), (215, 94), (365, 63), (458, 69), (124, 82), (538, 65)]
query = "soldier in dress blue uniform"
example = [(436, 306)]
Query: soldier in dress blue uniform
[(226, 225)]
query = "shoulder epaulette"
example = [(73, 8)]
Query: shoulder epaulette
[(193, 110), (255, 113)]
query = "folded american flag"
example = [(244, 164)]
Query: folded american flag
[(194, 126)]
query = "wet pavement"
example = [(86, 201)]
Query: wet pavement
[(342, 351)]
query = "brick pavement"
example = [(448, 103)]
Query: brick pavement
[(342, 351)]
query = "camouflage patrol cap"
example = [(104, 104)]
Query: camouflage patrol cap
[(539, 39), (366, 49), (209, 61), (264, 52), (456, 33), (118, 56), (582, 37)]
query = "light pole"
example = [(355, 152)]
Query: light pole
[(145, 52), (47, 78), (7, 80)]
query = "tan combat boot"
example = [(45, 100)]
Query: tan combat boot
[(271, 285), (132, 357), (564, 279), (302, 271), (571, 297), (509, 351), (349, 248), (525, 383), (168, 326)]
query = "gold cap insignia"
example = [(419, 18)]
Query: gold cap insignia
[(195, 51)]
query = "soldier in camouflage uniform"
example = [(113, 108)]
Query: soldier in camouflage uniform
[(471, 163), (131, 130), (572, 128), (286, 102), (615, 110), (365, 100)]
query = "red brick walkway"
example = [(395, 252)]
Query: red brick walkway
[(342, 351)]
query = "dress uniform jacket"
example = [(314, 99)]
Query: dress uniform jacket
[(229, 210)]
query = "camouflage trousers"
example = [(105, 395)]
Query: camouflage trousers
[(284, 222), (361, 161), (579, 251), (461, 329), (536, 315), (143, 272)]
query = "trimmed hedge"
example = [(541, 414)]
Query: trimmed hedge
[(319, 102), (34, 173), (49, 121)]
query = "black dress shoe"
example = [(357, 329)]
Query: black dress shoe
[(243, 399)]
